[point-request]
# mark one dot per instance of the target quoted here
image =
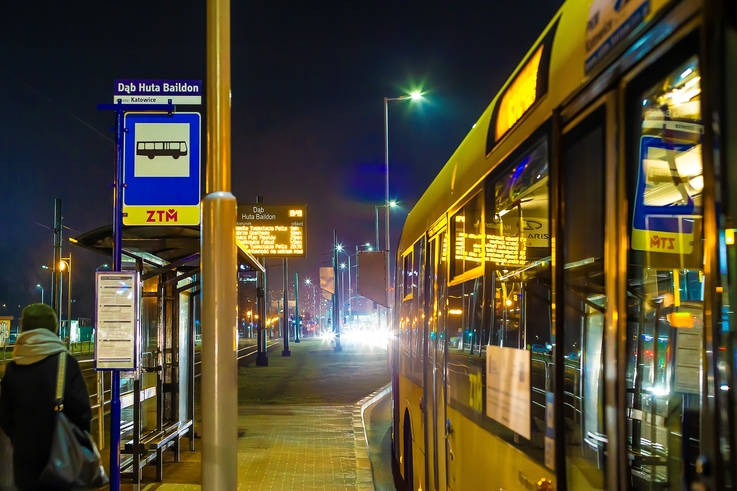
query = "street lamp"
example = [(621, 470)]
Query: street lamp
[(42, 292), (415, 96)]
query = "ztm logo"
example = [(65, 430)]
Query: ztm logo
[(160, 216), (295, 213), (662, 243)]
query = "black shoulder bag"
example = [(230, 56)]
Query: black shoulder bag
[(74, 462)]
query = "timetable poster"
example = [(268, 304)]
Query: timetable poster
[(116, 319)]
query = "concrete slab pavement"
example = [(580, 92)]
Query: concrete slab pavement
[(285, 445)]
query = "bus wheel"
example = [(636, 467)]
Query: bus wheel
[(150, 157), (408, 467)]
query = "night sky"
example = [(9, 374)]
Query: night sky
[(308, 82)]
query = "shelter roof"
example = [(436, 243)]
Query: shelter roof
[(170, 243)]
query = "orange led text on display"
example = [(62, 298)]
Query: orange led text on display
[(519, 96)]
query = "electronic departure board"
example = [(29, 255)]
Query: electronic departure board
[(272, 230)]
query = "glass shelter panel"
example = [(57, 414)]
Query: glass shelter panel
[(665, 282)]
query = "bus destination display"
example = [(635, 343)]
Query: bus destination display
[(272, 230)]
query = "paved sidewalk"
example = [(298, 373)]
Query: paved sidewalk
[(287, 446), (282, 448), (301, 447)]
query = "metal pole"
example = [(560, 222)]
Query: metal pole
[(100, 410), (285, 293), (386, 204), (376, 211), (262, 359), (56, 270), (69, 302), (319, 309), (350, 297), (296, 308), (336, 297), (219, 269), (257, 313), (342, 293), (117, 266)]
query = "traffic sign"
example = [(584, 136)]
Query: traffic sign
[(161, 169), (272, 230), (158, 92)]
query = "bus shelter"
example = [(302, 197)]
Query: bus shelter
[(158, 399)]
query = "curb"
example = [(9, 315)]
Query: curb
[(364, 469)]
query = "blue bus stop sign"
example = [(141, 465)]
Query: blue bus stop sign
[(161, 169)]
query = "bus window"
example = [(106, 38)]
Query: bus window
[(405, 315), (464, 317), (517, 322), (665, 281), (407, 276), (466, 230), (418, 310), (518, 248), (584, 303)]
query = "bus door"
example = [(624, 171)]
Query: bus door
[(582, 301), (434, 398), (671, 421)]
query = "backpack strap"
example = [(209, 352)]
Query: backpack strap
[(60, 375)]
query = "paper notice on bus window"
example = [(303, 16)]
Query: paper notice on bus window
[(508, 388), (688, 361), (116, 320)]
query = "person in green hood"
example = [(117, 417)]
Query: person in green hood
[(27, 394)]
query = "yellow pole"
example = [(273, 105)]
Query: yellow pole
[(219, 266)]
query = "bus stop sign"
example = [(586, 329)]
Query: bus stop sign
[(161, 169)]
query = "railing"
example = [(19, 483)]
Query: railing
[(100, 405), (82, 347)]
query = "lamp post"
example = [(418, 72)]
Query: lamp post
[(42, 292), (415, 96), (342, 291), (392, 204), (308, 282), (339, 247)]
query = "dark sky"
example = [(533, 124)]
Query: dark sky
[(308, 82)]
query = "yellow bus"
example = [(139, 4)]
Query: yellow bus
[(562, 311)]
